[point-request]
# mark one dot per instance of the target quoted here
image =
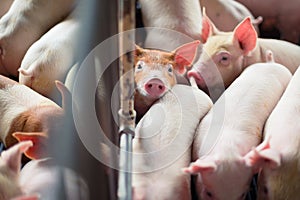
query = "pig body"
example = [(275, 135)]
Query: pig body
[(23, 24), (50, 58), (37, 179), (285, 16), (227, 14), (155, 73), (220, 154), (229, 53), (162, 144), (278, 156), (10, 164), (43, 177), (24, 110), (169, 16)]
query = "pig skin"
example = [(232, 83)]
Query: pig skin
[(162, 145)]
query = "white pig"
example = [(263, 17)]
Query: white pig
[(162, 144), (10, 164), (50, 58), (278, 156), (229, 53), (226, 14), (232, 128), (23, 24), (24, 110), (155, 72), (38, 179)]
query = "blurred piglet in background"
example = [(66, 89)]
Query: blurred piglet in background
[(38, 179), (24, 110), (23, 24)]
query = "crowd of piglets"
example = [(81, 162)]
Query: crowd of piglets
[(217, 97)]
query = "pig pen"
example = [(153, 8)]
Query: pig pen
[(102, 180)]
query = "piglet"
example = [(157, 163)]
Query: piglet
[(227, 54), (231, 128), (155, 72), (24, 110), (162, 144), (10, 164), (50, 58), (278, 155), (23, 24)]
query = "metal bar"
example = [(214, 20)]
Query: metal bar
[(126, 112)]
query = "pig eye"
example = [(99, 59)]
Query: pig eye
[(208, 193), (170, 68), (265, 190), (139, 65), (224, 58), (243, 196)]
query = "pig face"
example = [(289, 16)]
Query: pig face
[(222, 178), (223, 53), (155, 70)]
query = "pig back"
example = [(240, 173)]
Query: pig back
[(243, 107)]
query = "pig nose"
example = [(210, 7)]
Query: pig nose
[(155, 88), (198, 78)]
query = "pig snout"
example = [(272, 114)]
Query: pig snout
[(198, 78), (155, 88)]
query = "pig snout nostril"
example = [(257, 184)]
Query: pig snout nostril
[(155, 88)]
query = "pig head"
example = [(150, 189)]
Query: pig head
[(155, 71), (222, 59)]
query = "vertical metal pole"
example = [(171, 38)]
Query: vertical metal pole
[(126, 112)]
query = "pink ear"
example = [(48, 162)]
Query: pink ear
[(65, 95), (12, 156), (246, 35), (27, 197), (208, 27), (263, 156), (201, 166), (39, 140), (185, 55)]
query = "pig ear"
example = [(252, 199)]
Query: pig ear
[(39, 140), (246, 35), (27, 197), (263, 156), (201, 166), (138, 50), (208, 27), (185, 55), (12, 156), (65, 95)]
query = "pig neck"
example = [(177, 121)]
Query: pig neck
[(142, 104)]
